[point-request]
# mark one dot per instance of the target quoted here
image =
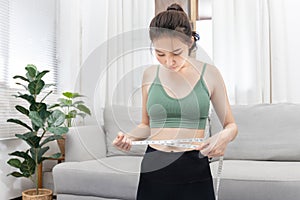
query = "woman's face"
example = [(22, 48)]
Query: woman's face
[(171, 52)]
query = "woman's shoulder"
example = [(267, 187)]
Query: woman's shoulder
[(150, 73), (209, 68)]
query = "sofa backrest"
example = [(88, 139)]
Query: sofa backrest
[(121, 118), (266, 132)]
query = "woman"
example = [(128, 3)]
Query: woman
[(176, 98)]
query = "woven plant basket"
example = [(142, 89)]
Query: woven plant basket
[(44, 194)]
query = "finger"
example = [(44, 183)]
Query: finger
[(202, 146), (127, 147), (216, 153), (125, 143), (120, 134), (120, 140), (207, 150)]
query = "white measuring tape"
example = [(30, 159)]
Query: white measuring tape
[(184, 143), (177, 142)]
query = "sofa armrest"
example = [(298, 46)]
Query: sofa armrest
[(85, 143)]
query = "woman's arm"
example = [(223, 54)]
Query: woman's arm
[(216, 145), (142, 131)]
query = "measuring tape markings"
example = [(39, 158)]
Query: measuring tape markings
[(175, 142)]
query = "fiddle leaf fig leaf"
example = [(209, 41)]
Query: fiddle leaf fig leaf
[(56, 118), (31, 138), (27, 97), (41, 152), (84, 109), (38, 107), (28, 167), (16, 121), (58, 130), (36, 86), (36, 119), (14, 162), (41, 74), (22, 110), (20, 154), (31, 71), (16, 174), (51, 138), (21, 77)]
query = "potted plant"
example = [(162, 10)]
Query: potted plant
[(71, 108), (44, 126), (72, 105)]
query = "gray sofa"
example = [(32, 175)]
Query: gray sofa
[(263, 163)]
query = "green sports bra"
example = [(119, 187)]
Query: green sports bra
[(190, 111)]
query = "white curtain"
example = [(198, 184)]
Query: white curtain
[(114, 49), (128, 49), (285, 45), (254, 46)]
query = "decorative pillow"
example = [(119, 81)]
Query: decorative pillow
[(121, 118), (266, 132)]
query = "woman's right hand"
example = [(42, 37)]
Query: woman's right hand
[(122, 142)]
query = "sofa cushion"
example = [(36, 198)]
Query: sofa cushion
[(85, 143), (266, 132), (121, 118), (112, 177), (268, 180)]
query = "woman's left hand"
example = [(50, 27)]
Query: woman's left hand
[(215, 145)]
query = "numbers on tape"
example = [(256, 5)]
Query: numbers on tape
[(184, 143)]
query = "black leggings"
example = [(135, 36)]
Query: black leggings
[(175, 175)]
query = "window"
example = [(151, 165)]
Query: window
[(28, 31)]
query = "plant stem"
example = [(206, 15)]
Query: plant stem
[(69, 120), (36, 174), (43, 132), (46, 96)]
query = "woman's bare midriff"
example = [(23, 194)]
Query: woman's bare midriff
[(174, 133)]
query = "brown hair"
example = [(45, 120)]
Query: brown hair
[(176, 20)]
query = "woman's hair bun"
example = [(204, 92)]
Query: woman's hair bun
[(175, 7)]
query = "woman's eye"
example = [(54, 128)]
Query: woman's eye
[(160, 54), (177, 54)]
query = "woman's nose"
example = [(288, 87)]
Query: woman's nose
[(170, 61)]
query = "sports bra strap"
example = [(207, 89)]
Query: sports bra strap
[(203, 71), (157, 71)]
